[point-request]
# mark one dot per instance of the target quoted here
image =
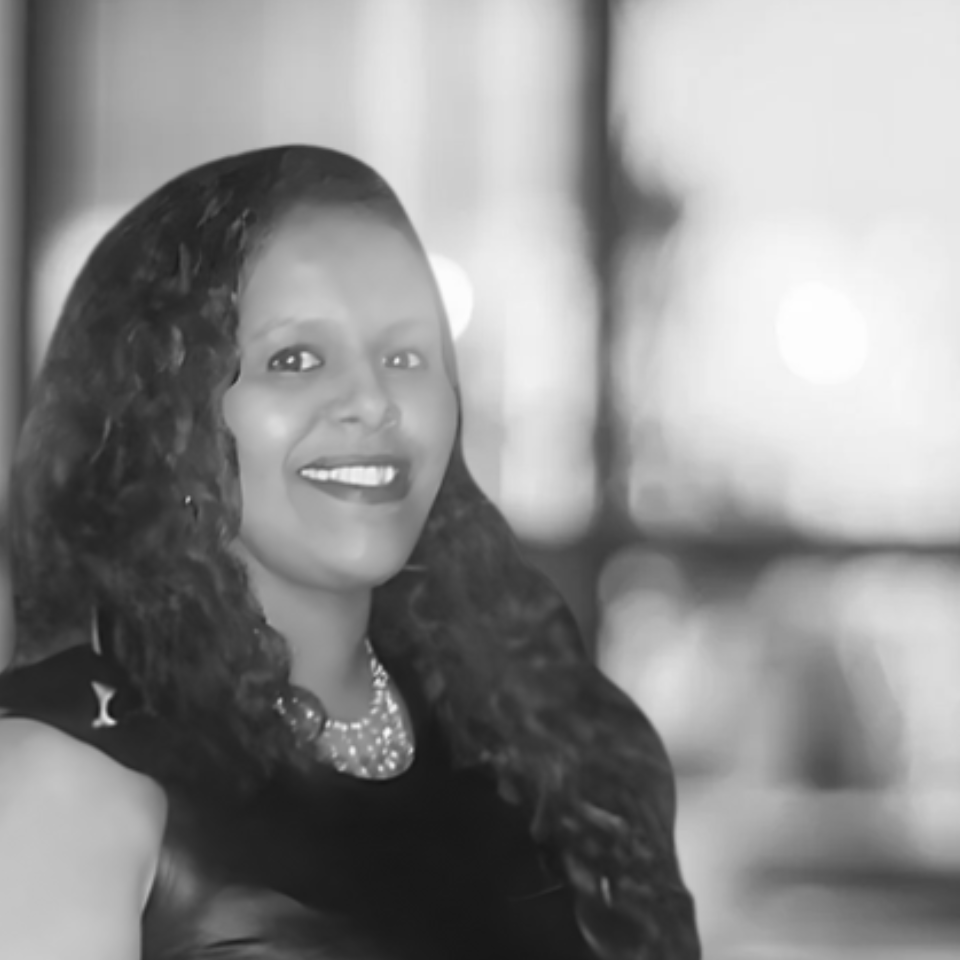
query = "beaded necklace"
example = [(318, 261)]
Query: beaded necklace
[(375, 747)]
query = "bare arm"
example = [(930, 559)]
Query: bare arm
[(79, 842)]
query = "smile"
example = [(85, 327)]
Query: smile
[(359, 476), (370, 480)]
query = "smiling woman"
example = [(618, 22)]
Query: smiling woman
[(343, 392), (284, 687)]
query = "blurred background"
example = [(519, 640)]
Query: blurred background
[(700, 258)]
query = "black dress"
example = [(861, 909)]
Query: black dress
[(431, 865)]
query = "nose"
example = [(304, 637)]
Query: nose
[(363, 400)]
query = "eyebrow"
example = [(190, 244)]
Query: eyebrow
[(416, 323), (402, 325), (273, 324)]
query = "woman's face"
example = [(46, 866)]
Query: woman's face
[(344, 414)]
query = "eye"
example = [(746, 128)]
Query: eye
[(294, 360), (403, 360)]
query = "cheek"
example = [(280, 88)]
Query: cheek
[(443, 448), (438, 424), (263, 431)]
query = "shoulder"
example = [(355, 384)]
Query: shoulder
[(52, 783), (37, 757), (80, 840)]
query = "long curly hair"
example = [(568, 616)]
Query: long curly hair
[(125, 501)]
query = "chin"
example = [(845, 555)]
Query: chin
[(359, 574)]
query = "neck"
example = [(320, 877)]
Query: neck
[(325, 631)]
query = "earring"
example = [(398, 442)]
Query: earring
[(95, 634), (190, 504)]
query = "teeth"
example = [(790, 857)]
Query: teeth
[(355, 476)]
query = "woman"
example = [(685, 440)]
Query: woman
[(283, 685)]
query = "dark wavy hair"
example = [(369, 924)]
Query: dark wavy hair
[(125, 500)]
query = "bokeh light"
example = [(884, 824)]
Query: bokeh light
[(456, 291), (821, 333)]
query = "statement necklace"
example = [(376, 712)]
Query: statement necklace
[(375, 747)]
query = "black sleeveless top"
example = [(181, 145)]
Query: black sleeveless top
[(431, 865)]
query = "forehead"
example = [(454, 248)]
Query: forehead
[(344, 256)]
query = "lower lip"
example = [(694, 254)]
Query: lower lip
[(389, 493)]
